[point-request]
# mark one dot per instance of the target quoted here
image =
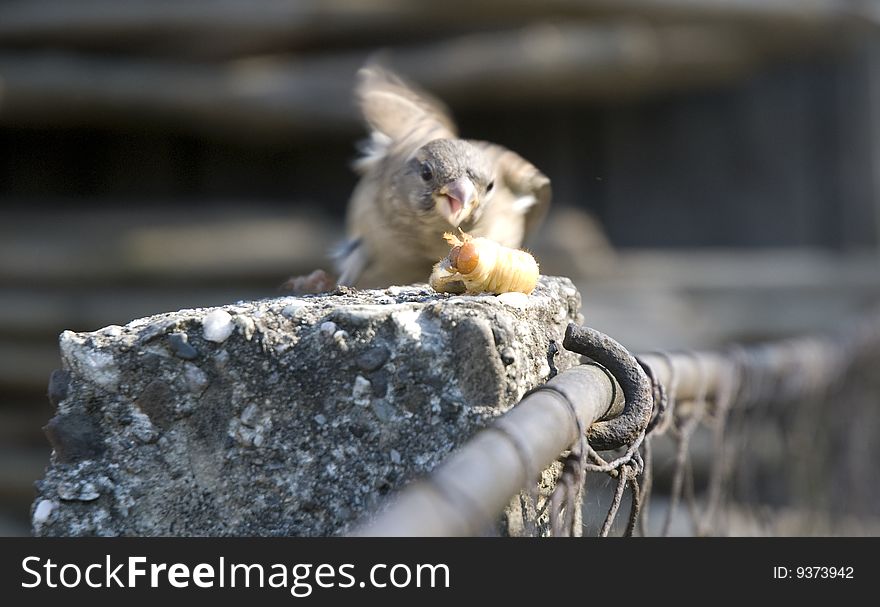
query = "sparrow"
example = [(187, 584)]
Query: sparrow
[(419, 180)]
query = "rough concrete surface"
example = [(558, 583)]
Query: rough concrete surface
[(287, 416)]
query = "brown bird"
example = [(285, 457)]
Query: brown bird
[(419, 180)]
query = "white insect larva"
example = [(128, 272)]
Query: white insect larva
[(480, 265)]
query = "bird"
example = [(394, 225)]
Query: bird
[(419, 180)]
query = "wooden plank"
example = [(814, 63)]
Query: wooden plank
[(200, 28), (778, 269), (138, 243), (19, 468), (255, 245), (222, 28), (21, 424), (272, 97), (25, 367)]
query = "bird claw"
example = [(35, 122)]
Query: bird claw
[(318, 281)]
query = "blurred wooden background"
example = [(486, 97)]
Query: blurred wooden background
[(715, 162)]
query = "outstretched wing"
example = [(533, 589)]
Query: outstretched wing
[(398, 113), (521, 199), (394, 107)]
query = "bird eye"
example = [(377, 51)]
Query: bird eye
[(425, 172), (490, 186)]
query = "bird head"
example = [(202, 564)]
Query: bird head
[(448, 177)]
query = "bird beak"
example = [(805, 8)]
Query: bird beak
[(457, 200)]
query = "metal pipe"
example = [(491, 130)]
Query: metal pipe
[(464, 495)]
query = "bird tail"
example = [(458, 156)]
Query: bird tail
[(350, 261)]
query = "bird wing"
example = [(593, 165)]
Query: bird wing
[(400, 115), (521, 198), (393, 106)]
